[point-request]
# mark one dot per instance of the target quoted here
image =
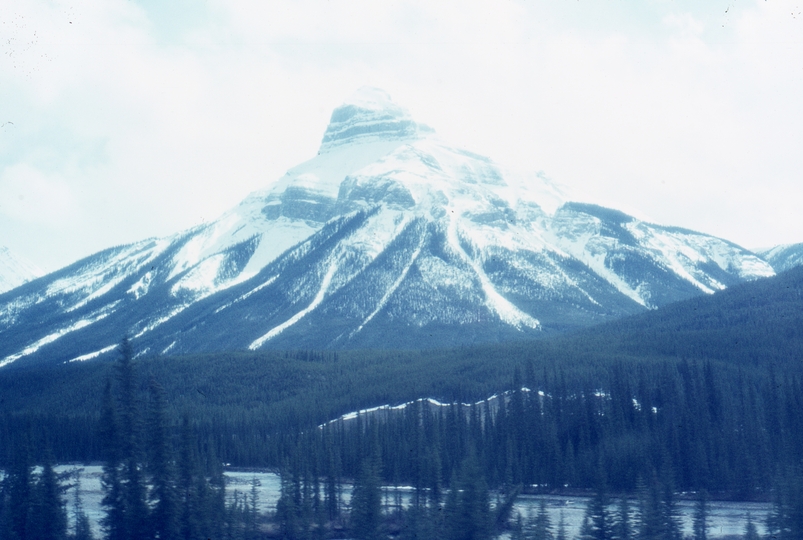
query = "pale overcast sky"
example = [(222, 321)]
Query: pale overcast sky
[(126, 119)]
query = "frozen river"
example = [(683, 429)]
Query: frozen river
[(726, 518)]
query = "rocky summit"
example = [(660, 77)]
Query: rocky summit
[(389, 237)]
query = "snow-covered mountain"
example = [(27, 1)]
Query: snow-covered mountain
[(15, 270), (389, 237), (783, 257)]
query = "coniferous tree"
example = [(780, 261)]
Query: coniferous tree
[(19, 486), (48, 515), (785, 520), (215, 508), (82, 529), (135, 518), (467, 511), (287, 512), (113, 522), (190, 508), (252, 525), (332, 485), (162, 496), (366, 501)]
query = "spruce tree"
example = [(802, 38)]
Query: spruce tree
[(20, 493), (82, 529), (287, 507), (366, 501), (467, 512), (49, 515), (252, 525), (162, 496), (189, 505), (113, 522)]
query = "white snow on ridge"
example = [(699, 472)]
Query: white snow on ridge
[(581, 239), (324, 173), (102, 276), (327, 279), (161, 320), (680, 251), (497, 303), (50, 338), (375, 158), (389, 292), (93, 355), (246, 295), (15, 270)]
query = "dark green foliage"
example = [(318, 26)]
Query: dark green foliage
[(163, 499), (133, 511), (81, 526), (467, 511), (722, 422), (785, 521), (48, 515), (288, 507), (182, 502), (366, 501), (252, 515), (18, 487), (32, 506)]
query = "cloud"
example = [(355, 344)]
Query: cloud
[(29, 196), (679, 112)]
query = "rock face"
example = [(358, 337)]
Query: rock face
[(783, 257), (389, 237)]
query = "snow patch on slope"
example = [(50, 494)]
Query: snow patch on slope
[(389, 292), (92, 355), (494, 301), (50, 338), (327, 279)]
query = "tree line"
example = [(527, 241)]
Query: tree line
[(642, 429)]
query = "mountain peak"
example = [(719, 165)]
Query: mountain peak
[(369, 115)]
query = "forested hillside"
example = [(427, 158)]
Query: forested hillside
[(707, 392)]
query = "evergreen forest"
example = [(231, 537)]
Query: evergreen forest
[(703, 401)]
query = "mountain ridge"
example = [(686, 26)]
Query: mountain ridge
[(784, 256), (388, 237), (15, 270)]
